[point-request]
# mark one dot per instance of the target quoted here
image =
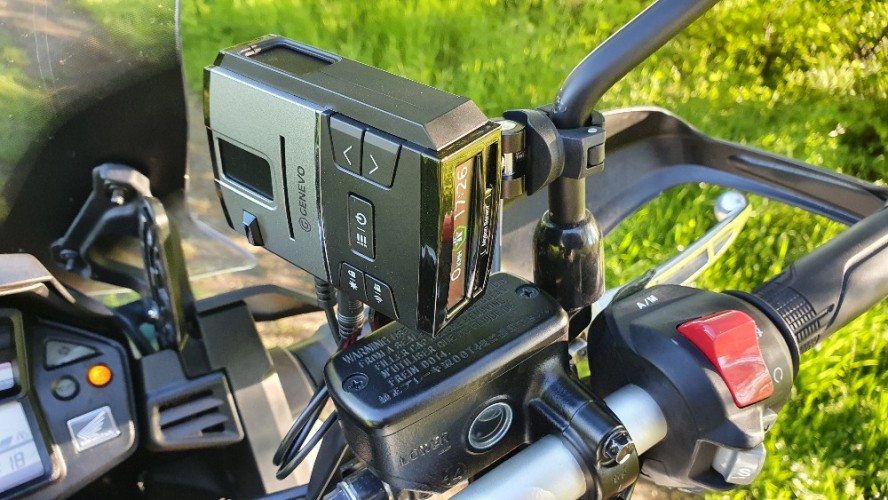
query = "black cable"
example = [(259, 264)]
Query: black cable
[(317, 402), (291, 465), (326, 295), (351, 318), (333, 453), (297, 443), (345, 325)]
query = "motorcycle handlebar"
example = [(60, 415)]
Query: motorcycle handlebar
[(829, 287), (549, 468)]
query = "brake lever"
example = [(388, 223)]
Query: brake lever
[(732, 209)]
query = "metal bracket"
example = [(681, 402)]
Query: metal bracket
[(121, 205), (535, 152), (173, 303), (105, 212)]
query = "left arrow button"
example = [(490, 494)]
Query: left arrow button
[(347, 136)]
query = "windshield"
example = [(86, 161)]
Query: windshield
[(58, 59)]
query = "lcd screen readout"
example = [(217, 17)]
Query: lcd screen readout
[(19, 459), (462, 194)]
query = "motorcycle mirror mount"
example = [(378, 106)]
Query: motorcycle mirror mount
[(564, 144)]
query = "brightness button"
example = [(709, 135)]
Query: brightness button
[(352, 281)]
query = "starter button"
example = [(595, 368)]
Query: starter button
[(729, 341)]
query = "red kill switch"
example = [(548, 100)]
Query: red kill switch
[(729, 341)]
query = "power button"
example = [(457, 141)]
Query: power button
[(361, 236)]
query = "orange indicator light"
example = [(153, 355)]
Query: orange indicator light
[(99, 375)]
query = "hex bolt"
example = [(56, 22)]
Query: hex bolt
[(527, 291), (118, 196), (70, 258), (117, 193), (618, 447), (355, 383)]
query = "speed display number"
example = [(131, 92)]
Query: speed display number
[(19, 459)]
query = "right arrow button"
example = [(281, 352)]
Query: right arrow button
[(380, 158)]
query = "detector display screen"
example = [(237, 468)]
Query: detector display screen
[(459, 220), (246, 168), (19, 459)]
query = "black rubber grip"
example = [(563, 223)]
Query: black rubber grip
[(840, 280)]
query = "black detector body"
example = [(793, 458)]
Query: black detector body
[(384, 187)]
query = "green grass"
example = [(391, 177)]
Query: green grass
[(803, 79)]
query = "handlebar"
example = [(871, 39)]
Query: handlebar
[(829, 287), (547, 468), (550, 468)]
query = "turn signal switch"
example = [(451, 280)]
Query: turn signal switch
[(716, 366)]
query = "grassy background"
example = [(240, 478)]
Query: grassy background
[(803, 79)]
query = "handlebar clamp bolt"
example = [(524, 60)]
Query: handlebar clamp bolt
[(618, 447)]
